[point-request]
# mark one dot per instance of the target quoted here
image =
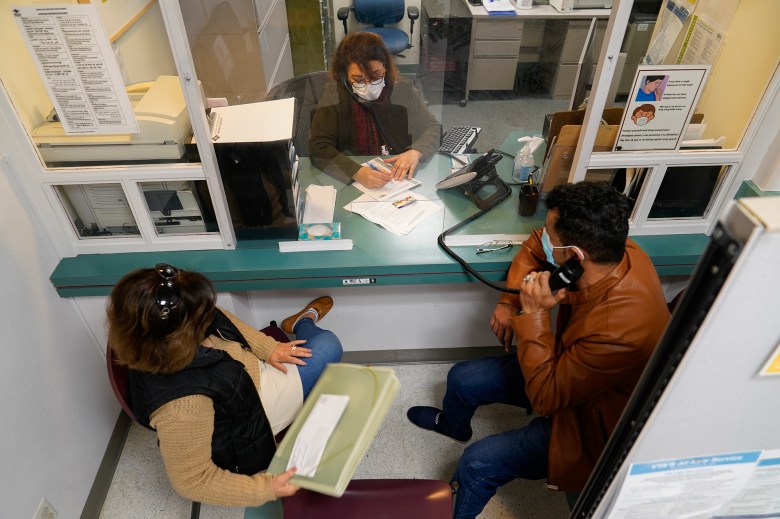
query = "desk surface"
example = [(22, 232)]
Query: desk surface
[(379, 258), (541, 11)]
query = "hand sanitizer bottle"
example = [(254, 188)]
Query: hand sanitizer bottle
[(523, 166)]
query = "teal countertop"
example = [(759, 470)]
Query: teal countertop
[(378, 258)]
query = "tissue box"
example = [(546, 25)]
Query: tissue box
[(319, 231)]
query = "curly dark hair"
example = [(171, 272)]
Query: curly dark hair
[(592, 216), (360, 48), (142, 338)]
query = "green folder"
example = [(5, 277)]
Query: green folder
[(371, 390)]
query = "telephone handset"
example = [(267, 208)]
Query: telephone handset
[(480, 166), (566, 274)]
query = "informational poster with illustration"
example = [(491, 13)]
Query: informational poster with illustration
[(660, 106), (78, 67)]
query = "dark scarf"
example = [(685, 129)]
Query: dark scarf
[(367, 136)]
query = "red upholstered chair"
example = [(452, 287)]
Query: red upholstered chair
[(377, 499), (118, 376)]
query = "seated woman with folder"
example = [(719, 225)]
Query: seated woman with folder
[(370, 110), (215, 389)]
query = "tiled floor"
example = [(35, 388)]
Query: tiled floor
[(140, 488)]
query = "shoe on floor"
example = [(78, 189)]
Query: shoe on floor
[(321, 306), (428, 418)]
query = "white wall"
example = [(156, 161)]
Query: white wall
[(715, 402), (57, 407)]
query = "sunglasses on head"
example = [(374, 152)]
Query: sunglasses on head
[(167, 293)]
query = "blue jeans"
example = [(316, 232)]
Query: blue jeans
[(496, 460), (325, 348)]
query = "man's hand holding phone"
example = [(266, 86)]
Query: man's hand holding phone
[(535, 294)]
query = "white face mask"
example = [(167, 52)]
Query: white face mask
[(369, 91), (641, 121)]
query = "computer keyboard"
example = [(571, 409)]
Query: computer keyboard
[(460, 139)]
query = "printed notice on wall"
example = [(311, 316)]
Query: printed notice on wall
[(670, 23), (702, 43), (724, 486), (78, 67), (660, 106)]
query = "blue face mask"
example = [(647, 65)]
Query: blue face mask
[(549, 247)]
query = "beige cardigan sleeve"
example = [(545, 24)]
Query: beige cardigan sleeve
[(184, 428)]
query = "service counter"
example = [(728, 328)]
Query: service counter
[(386, 283)]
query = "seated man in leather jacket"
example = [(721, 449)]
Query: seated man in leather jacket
[(577, 374)]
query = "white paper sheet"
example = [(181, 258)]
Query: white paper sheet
[(388, 190), (499, 7), (315, 433), (320, 204), (265, 121), (397, 220), (77, 65)]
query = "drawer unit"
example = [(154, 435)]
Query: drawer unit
[(492, 74), (566, 71), (494, 54), (508, 49), (499, 29)]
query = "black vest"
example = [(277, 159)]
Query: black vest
[(243, 441)]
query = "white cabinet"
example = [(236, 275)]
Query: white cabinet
[(241, 48), (570, 52)]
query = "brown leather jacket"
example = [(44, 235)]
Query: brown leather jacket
[(584, 379)]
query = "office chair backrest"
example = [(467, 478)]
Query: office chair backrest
[(378, 12), (120, 383), (307, 90)]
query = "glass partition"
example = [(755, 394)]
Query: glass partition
[(98, 210), (687, 191), (179, 207), (94, 84)]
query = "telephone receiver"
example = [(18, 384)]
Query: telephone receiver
[(484, 162), (565, 275)]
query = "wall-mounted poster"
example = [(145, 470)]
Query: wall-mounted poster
[(660, 106), (78, 67)]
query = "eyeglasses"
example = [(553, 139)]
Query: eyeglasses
[(361, 84), (493, 246), (167, 293)]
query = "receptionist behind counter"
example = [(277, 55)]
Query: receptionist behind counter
[(370, 110)]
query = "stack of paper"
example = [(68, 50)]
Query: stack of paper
[(320, 204), (370, 392), (393, 206), (399, 214), (241, 123), (499, 7)]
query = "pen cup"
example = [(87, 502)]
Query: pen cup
[(527, 200)]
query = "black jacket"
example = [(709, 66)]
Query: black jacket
[(403, 116), (243, 441)]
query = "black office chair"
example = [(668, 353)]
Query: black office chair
[(307, 90), (380, 13)]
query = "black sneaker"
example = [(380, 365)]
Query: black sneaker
[(428, 418)]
